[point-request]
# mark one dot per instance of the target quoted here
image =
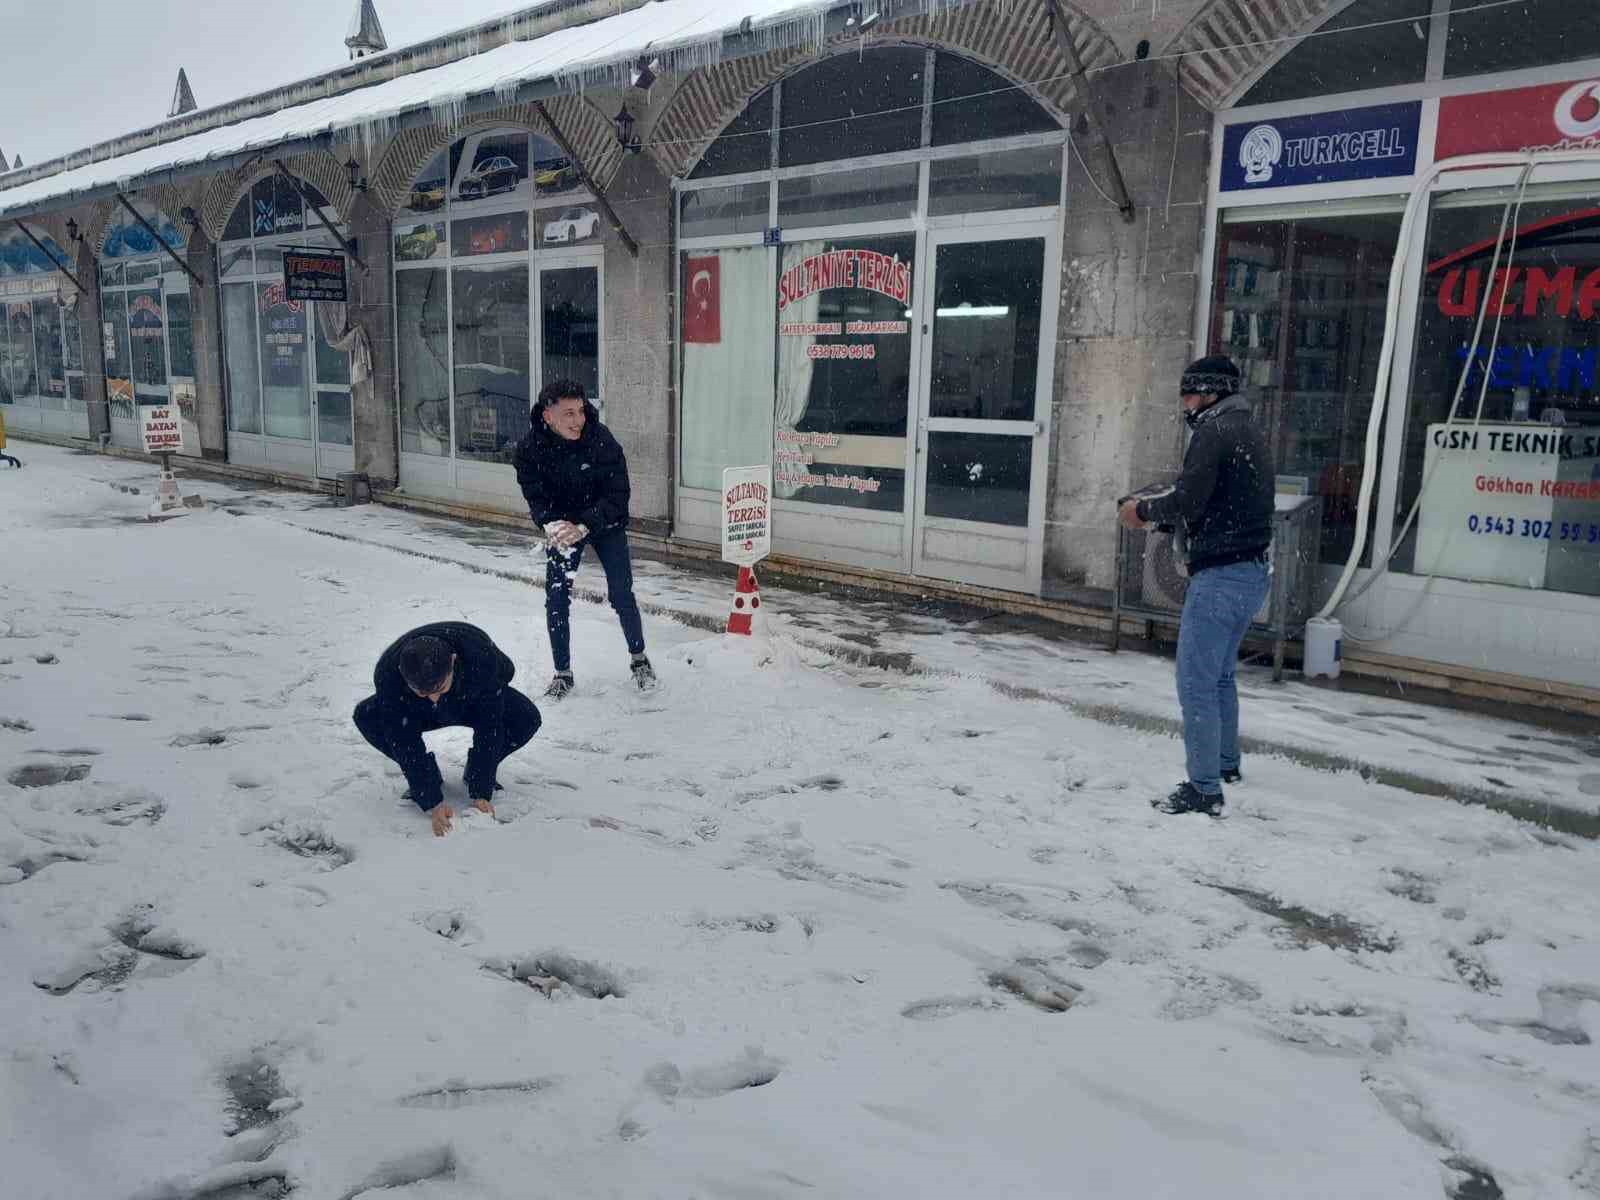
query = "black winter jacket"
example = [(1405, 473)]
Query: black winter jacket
[(585, 482), (476, 698), (1223, 501)]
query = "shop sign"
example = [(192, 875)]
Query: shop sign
[(866, 269), (314, 275), (1553, 116), (746, 514), (109, 332), (1331, 147), (161, 428), (145, 319), (1508, 503)]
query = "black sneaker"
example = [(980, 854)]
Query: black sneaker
[(1235, 775), (643, 673), (1186, 798), (560, 687)]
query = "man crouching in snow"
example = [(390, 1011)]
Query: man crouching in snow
[(448, 673)]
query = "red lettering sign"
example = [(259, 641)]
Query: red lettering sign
[(1560, 116)]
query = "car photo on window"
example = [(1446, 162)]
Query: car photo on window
[(426, 197), (573, 225), (421, 243), (490, 178), (555, 175)]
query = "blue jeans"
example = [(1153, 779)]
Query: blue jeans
[(561, 568), (1216, 615)]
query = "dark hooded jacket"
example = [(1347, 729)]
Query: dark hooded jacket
[(1223, 501), (585, 481), (476, 697)]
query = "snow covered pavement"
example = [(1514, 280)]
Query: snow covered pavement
[(781, 927)]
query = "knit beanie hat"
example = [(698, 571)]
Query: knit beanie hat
[(1214, 375)]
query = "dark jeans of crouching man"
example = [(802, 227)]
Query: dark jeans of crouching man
[(1217, 611), (498, 731), (561, 568)]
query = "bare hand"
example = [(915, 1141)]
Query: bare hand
[(441, 814), (1129, 515), (483, 806)]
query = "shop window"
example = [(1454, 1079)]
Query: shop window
[(1507, 37), (1299, 305), (710, 212), (844, 370), (126, 237), (47, 355), (147, 327), (841, 197), (21, 375), (286, 403), (492, 365), (422, 318), (971, 104), (490, 167), (1514, 499), (1370, 44), (569, 326), (72, 337), (852, 105), (1028, 178), (745, 145), (180, 335), (119, 374), (727, 363)]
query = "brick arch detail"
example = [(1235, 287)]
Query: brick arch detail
[(166, 199), (588, 129), (321, 169), (1230, 43), (1010, 37)]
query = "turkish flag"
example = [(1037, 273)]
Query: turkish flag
[(702, 302)]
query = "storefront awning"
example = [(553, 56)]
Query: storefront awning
[(683, 34)]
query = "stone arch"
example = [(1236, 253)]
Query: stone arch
[(321, 169), (166, 199), (1010, 37), (1229, 44), (588, 129)]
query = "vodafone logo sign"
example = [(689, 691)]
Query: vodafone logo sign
[(1550, 116), (1578, 110)]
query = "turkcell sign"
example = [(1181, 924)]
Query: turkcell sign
[(1331, 147)]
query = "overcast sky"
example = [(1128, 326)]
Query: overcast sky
[(76, 72)]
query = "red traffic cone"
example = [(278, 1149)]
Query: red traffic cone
[(746, 599)]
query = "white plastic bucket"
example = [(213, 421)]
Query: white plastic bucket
[(1324, 645)]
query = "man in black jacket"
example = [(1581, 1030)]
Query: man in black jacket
[(1221, 508), (447, 673), (574, 477)]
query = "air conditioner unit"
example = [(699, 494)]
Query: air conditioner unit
[(1294, 547)]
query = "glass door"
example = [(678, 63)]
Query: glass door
[(180, 356), (330, 398), (988, 326)]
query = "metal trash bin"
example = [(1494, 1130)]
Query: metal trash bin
[(1150, 585), (352, 487)]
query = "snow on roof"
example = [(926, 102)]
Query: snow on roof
[(682, 33)]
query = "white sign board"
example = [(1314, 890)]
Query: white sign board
[(746, 514), (109, 332), (1509, 503), (162, 429)]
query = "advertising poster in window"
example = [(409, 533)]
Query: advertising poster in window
[(490, 166), (506, 233), (283, 338), (844, 372), (1515, 499)]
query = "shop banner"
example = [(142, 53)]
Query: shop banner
[(314, 275), (1510, 503), (1554, 116), (746, 514), (1330, 147), (161, 428)]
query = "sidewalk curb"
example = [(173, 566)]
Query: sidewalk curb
[(1556, 817)]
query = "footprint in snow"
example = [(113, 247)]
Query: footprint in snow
[(753, 1070)]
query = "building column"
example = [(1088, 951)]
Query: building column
[(91, 329), (373, 404), (205, 311)]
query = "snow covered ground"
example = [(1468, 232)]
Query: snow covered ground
[(813, 929)]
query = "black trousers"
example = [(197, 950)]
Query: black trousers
[(397, 732), (561, 567)]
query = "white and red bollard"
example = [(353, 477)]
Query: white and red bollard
[(746, 600)]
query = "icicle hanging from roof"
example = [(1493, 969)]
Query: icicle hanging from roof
[(366, 32), (182, 96)]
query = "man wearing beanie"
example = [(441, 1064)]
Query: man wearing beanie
[(1221, 512)]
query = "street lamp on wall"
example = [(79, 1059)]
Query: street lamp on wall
[(72, 231), (626, 137), (358, 182)]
